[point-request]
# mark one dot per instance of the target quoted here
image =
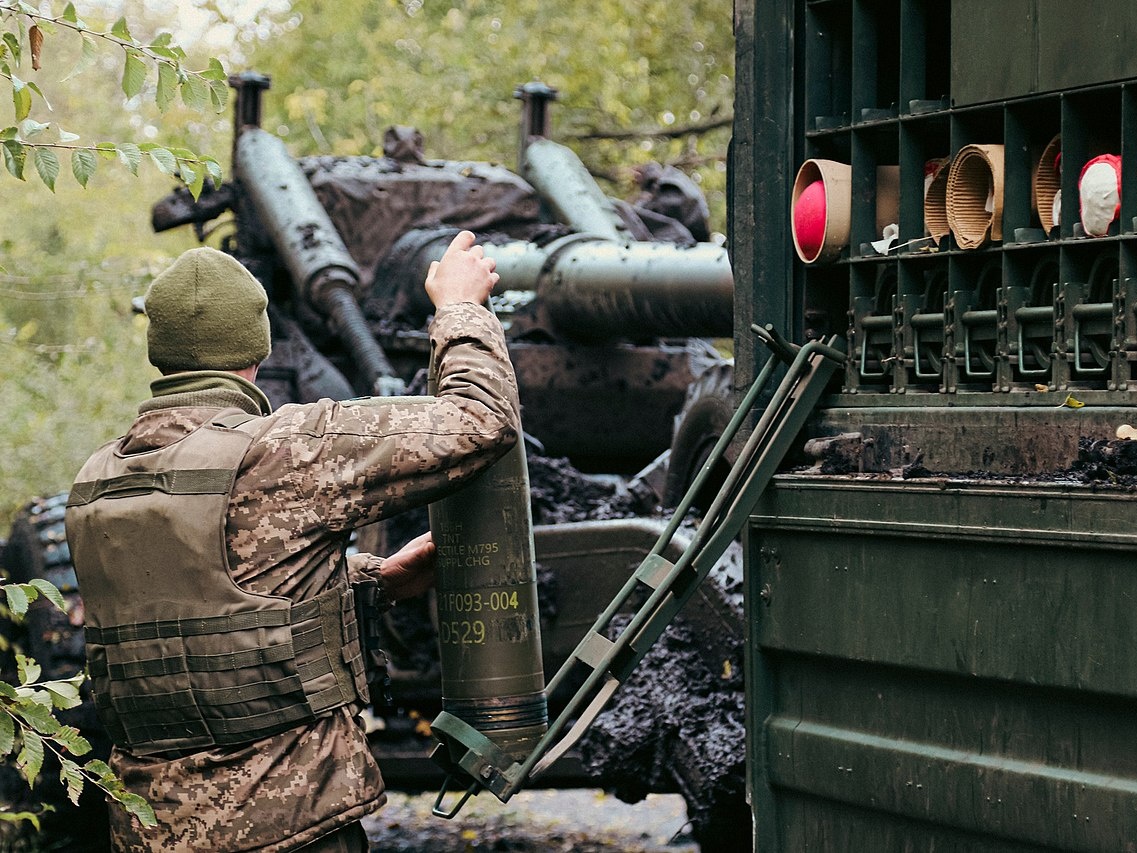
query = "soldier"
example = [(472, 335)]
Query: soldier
[(209, 542)]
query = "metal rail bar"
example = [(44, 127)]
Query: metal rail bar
[(672, 584)]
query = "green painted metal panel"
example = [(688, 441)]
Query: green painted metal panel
[(992, 50), (1091, 41), (944, 664), (948, 664), (1012, 48)]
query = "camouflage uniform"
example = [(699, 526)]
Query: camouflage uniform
[(313, 473)]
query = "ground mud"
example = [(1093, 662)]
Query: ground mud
[(539, 821)]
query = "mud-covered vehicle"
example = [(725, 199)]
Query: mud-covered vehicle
[(610, 309)]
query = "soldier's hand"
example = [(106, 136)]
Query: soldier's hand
[(464, 274), (410, 570)]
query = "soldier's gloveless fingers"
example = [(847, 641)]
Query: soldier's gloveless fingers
[(462, 241)]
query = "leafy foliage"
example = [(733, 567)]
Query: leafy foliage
[(639, 80), (74, 357), (24, 37), (29, 729)]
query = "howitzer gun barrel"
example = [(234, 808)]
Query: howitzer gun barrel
[(601, 289), (569, 191), (317, 260), (595, 289)]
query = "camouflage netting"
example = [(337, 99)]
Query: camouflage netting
[(375, 200)]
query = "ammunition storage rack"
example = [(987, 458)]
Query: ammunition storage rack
[(904, 83)]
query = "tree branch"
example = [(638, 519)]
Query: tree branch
[(662, 133)]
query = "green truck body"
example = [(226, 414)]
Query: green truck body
[(940, 599)]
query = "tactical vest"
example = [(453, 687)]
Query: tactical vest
[(181, 658)]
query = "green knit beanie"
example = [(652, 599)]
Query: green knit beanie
[(206, 312)]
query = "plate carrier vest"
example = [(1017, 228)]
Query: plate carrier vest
[(180, 657)]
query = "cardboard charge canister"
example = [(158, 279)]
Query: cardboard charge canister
[(975, 195), (820, 210)]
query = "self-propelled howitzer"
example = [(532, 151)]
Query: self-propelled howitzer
[(608, 306)]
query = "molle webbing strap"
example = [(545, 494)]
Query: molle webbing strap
[(197, 481), (225, 662), (188, 627), (300, 675), (207, 625)]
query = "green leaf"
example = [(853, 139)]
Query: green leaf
[(72, 776), (99, 768), (7, 733), (107, 150), (42, 97), (46, 587), (9, 133), (17, 598), (165, 161), (30, 758), (29, 127), (129, 155), (28, 669), (162, 40), (71, 17), (138, 807), (38, 716), (17, 817), (72, 740), (133, 73), (7, 690), (195, 180), (15, 154), (83, 164), (64, 694), (218, 95), (86, 58), (21, 98), (214, 169), (13, 43), (215, 71), (47, 164), (122, 30), (194, 93), (190, 176), (167, 86)]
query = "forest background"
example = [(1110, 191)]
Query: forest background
[(639, 80)]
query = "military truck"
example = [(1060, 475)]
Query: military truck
[(939, 624)]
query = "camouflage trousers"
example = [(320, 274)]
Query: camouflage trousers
[(346, 839)]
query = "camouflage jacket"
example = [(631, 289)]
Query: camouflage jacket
[(313, 473)]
